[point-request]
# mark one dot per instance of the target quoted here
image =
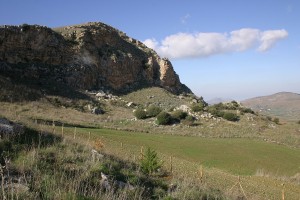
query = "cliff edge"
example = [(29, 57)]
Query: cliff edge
[(87, 56)]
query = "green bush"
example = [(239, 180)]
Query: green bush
[(230, 116), (179, 114), (247, 110), (235, 104), (276, 120), (197, 107), (163, 118), (153, 111), (215, 111), (219, 106), (189, 120), (150, 162), (140, 114)]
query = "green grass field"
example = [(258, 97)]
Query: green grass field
[(237, 156), (263, 167)]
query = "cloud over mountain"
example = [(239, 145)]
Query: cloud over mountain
[(197, 45)]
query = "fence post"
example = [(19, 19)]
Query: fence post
[(201, 173), (62, 130), (142, 153), (171, 164), (53, 127), (283, 191), (74, 133)]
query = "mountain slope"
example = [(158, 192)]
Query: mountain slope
[(87, 56), (284, 105)]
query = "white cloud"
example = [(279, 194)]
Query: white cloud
[(151, 43), (243, 39), (269, 38), (187, 45)]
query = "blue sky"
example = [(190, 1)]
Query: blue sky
[(231, 49)]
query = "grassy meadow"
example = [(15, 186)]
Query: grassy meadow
[(238, 156), (263, 154), (262, 167)]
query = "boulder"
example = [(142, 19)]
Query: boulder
[(10, 129), (97, 111)]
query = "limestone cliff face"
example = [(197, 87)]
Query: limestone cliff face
[(87, 56)]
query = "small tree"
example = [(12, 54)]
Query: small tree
[(150, 162), (163, 118), (153, 111), (140, 114)]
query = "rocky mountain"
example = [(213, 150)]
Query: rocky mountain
[(87, 56), (284, 105)]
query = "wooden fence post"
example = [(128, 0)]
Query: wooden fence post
[(62, 130), (171, 164), (142, 153), (201, 173), (74, 133), (283, 191), (53, 127)]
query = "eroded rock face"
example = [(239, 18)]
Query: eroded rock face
[(87, 56)]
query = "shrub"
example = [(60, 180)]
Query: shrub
[(235, 104), (179, 114), (269, 118), (276, 120), (298, 122), (247, 110), (189, 120), (197, 107), (219, 106), (163, 118), (150, 162), (153, 111), (140, 114), (230, 116), (215, 111)]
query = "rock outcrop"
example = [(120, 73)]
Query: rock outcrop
[(87, 56)]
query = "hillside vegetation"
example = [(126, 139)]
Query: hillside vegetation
[(254, 147)]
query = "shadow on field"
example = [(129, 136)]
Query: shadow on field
[(12, 144)]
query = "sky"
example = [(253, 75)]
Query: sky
[(233, 49)]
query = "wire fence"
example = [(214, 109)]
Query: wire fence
[(241, 187)]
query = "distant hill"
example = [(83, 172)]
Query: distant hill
[(285, 105), (218, 100)]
